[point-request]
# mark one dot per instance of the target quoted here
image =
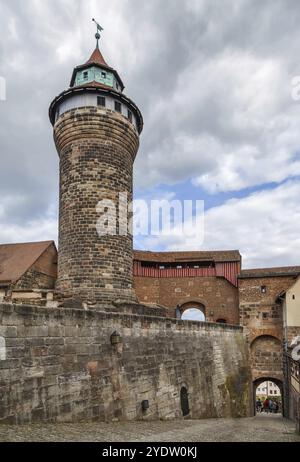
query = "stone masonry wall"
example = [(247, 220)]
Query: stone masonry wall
[(33, 279), (60, 365), (97, 148), (261, 317), (260, 313)]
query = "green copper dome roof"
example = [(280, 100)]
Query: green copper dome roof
[(96, 71)]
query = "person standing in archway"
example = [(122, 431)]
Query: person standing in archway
[(258, 406), (266, 405)]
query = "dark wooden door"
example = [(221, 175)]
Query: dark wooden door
[(184, 399)]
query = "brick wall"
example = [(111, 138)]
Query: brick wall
[(59, 365), (218, 295)]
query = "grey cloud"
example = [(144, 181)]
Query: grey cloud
[(202, 72)]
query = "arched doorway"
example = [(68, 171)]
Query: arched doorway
[(193, 311), (184, 401), (271, 389)]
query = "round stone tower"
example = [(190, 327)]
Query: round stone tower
[(96, 132)]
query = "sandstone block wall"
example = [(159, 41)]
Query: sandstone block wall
[(60, 365)]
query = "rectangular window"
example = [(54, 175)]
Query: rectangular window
[(129, 115), (101, 101), (103, 75), (85, 75), (263, 289), (118, 106)]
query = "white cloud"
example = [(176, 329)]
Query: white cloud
[(263, 226)]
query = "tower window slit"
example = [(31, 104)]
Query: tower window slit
[(101, 101), (118, 106)]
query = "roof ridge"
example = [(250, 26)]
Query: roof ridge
[(28, 243)]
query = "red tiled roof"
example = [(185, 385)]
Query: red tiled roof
[(16, 259), (269, 272), (217, 256), (97, 58)]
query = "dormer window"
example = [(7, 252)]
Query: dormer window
[(103, 75), (85, 75)]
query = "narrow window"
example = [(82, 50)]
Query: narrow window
[(117, 86), (293, 297), (263, 289), (118, 106), (101, 101), (103, 75), (129, 114), (85, 75)]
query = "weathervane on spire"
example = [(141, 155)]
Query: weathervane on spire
[(99, 29)]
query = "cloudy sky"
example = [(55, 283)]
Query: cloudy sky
[(213, 79)]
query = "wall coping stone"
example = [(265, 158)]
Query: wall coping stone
[(25, 310)]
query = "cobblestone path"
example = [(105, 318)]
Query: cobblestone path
[(259, 428)]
